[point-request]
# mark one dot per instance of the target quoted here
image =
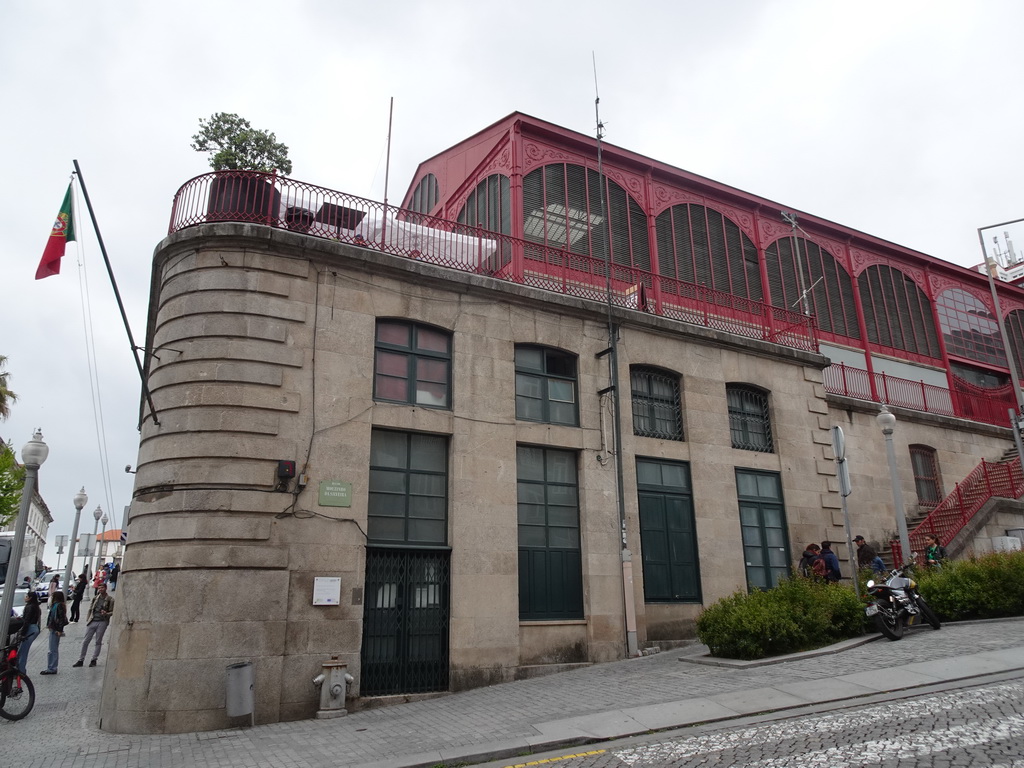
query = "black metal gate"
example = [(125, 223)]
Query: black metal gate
[(405, 622)]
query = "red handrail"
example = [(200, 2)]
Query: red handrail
[(259, 198)]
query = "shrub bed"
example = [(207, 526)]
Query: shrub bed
[(987, 587), (798, 615)]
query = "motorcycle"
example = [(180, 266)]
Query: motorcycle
[(897, 604)]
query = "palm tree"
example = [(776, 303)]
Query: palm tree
[(7, 398)]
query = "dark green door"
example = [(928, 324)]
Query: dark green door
[(668, 535), (405, 622), (763, 526)]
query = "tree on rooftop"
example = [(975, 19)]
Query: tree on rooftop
[(236, 146)]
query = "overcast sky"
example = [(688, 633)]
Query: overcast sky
[(901, 119)]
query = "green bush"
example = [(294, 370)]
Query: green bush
[(798, 615), (987, 587)]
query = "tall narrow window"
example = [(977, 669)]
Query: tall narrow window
[(413, 364), (668, 535), (546, 386), (550, 566), (656, 409), (408, 491), (763, 527), (926, 475), (749, 420)]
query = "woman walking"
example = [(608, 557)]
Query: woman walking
[(56, 620), (30, 628), (76, 600)]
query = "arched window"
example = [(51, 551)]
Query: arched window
[(546, 385), (488, 206), (656, 409), (926, 475), (897, 312), (968, 328), (700, 245), (562, 208), (829, 286), (749, 420), (425, 195), (1015, 332), (412, 364)]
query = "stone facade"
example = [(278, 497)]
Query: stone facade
[(263, 350)]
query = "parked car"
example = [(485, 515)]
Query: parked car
[(41, 586), (19, 598)]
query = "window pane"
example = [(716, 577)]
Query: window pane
[(529, 410), (562, 495), (751, 537), (648, 473), (746, 484), (432, 340), (386, 528), (531, 493), (530, 463), (532, 536), (561, 467), (768, 488), (529, 386), (387, 505), (426, 485), (431, 394), (562, 391), (387, 449), (530, 359), (386, 388), (392, 363), (427, 531), (382, 481), (563, 516), (428, 452), (563, 413), (754, 555), (561, 364), (432, 370), (531, 514), (396, 333), (563, 538), (675, 475)]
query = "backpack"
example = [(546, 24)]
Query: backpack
[(818, 567)]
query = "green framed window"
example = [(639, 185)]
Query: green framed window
[(550, 565), (763, 527), (749, 420), (656, 406), (408, 491), (412, 364), (668, 534), (546, 385)]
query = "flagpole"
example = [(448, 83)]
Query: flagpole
[(117, 295)]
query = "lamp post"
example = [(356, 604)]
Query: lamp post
[(80, 500), (32, 455), (96, 515), (887, 421), (103, 551)]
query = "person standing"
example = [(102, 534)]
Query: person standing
[(934, 552), (832, 572), (98, 578), (96, 622), (29, 628), (54, 587), (811, 563), (56, 620), (76, 601), (867, 557), (115, 571)]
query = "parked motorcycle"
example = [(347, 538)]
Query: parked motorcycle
[(897, 603)]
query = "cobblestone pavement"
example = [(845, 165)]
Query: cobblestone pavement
[(981, 726), (63, 729)]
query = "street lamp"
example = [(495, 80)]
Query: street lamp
[(887, 421), (80, 500), (96, 515), (32, 455)]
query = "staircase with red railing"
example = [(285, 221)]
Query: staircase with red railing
[(990, 479)]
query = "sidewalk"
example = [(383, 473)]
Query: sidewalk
[(510, 720)]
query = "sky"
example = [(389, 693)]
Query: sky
[(900, 119)]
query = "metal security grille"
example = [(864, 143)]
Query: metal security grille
[(926, 475), (896, 312), (749, 420), (656, 410), (700, 245), (829, 286), (405, 622)]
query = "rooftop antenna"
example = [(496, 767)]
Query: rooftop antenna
[(791, 218), (629, 605), (1011, 257)]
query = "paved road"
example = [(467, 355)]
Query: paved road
[(981, 726), (584, 706)]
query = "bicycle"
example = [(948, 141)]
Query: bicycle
[(17, 693)]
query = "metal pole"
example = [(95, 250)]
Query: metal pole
[(897, 492), (80, 500), (95, 528), (28, 490)]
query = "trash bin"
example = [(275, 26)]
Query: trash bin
[(240, 689)]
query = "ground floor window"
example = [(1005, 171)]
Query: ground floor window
[(668, 536), (763, 526), (550, 566)]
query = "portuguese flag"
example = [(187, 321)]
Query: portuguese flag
[(63, 231)]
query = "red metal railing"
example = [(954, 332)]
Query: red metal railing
[(260, 198), (990, 478), (841, 379)]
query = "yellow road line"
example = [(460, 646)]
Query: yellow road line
[(556, 759)]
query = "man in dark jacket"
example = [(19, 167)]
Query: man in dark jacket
[(831, 562), (866, 556)]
